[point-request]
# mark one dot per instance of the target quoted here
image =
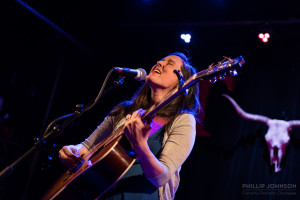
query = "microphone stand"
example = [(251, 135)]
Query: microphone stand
[(54, 129)]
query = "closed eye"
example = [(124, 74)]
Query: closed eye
[(170, 62)]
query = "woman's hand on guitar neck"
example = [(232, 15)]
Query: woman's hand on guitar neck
[(136, 131), (70, 155)]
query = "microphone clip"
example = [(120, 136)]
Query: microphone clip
[(180, 77), (181, 80)]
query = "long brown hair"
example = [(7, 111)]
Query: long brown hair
[(188, 103)]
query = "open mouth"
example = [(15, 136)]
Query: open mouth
[(157, 70)]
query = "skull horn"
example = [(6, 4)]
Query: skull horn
[(294, 123), (245, 115)]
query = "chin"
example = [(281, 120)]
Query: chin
[(150, 80)]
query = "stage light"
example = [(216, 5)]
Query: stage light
[(265, 40), (264, 37), (186, 37), (267, 35), (261, 36)]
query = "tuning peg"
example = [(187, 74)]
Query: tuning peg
[(233, 72), (221, 77), (213, 80)]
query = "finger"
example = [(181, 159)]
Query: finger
[(67, 161), (128, 117), (142, 112), (61, 154), (71, 152), (138, 113)]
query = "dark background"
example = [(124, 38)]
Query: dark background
[(58, 56)]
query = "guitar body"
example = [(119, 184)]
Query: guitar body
[(98, 172)]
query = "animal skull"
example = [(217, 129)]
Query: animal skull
[(277, 137)]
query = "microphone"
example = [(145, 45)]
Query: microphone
[(139, 74)]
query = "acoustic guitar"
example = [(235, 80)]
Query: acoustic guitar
[(109, 160)]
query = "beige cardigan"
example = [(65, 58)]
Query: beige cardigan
[(176, 147)]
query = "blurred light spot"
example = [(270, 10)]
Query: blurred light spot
[(261, 36), (186, 37)]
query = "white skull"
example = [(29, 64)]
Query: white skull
[(277, 138)]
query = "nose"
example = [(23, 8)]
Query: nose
[(160, 63)]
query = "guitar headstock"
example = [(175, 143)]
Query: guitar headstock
[(219, 71)]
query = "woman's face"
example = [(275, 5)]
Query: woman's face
[(162, 75)]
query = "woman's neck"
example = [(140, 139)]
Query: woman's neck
[(158, 95)]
